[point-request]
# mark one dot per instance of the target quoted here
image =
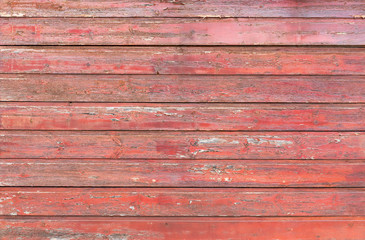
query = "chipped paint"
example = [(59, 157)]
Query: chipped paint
[(275, 142)]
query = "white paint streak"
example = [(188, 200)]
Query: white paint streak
[(216, 140), (276, 142)]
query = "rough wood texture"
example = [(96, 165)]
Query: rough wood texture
[(182, 145), (202, 228), (176, 173), (186, 8), (94, 116), (183, 60), (171, 119), (181, 202), (181, 88), (181, 31)]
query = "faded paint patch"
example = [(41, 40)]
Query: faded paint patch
[(276, 142), (216, 140)]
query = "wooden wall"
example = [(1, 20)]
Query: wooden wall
[(215, 119)]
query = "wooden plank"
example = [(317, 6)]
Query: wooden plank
[(181, 202), (183, 60), (181, 31), (203, 228), (114, 116), (186, 8), (181, 88), (182, 145), (176, 173)]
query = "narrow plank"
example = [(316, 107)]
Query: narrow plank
[(91, 116), (186, 8), (203, 228), (188, 173), (182, 88), (181, 202), (182, 145), (181, 31), (183, 60)]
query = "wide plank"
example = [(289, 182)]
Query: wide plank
[(178, 8), (176, 173), (182, 145), (181, 31), (181, 202), (97, 116), (182, 88), (183, 60), (202, 228)]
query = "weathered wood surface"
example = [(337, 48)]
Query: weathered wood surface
[(186, 8), (181, 202), (203, 228), (177, 173), (183, 60), (182, 145), (182, 88), (181, 31), (233, 117), (119, 117)]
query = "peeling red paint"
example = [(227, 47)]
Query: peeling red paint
[(181, 31), (183, 145), (182, 119), (186, 8), (184, 60)]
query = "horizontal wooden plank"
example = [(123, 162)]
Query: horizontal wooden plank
[(114, 116), (181, 202), (203, 228), (181, 88), (186, 8), (183, 60), (176, 173), (181, 31), (182, 145)]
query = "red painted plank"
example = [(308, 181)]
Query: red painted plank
[(182, 145), (176, 173), (183, 60), (181, 202), (181, 88), (91, 116), (186, 8), (202, 228), (181, 31)]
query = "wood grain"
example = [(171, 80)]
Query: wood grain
[(183, 60), (181, 31), (202, 228), (170, 119), (182, 88), (182, 145), (186, 8), (91, 116), (176, 173), (181, 202)]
